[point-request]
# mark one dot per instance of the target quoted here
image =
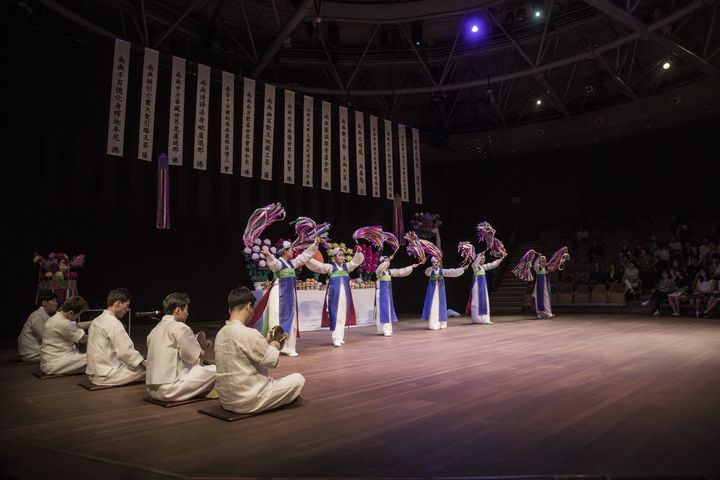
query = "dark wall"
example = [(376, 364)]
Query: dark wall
[(62, 193)]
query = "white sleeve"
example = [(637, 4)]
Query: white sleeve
[(536, 266), (123, 346), (319, 267), (356, 261), (382, 267), (428, 271), (491, 265), (401, 272), (273, 263), (188, 346), (452, 272), (476, 263), (72, 332), (303, 258)]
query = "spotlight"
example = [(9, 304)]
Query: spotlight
[(538, 14), (474, 29), (417, 34), (666, 65), (538, 102)]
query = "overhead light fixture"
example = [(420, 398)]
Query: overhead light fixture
[(538, 13), (538, 102), (666, 65), (417, 34)]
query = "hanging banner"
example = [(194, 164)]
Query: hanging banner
[(202, 110), (416, 165), (248, 127), (177, 111), (360, 152), (268, 133), (374, 157), (227, 123), (326, 146), (402, 149), (344, 156), (289, 137), (307, 142), (118, 98), (389, 187), (147, 105)]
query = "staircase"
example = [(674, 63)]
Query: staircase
[(510, 294)]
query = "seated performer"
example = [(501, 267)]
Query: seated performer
[(480, 303), (435, 308), (278, 305), (31, 334), (111, 356), (338, 309), (59, 353), (243, 357), (384, 307), (174, 358)]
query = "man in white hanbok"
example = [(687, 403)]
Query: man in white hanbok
[(174, 358), (111, 356), (243, 357), (59, 354), (30, 337)]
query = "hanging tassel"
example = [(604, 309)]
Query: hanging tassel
[(398, 226), (162, 213)]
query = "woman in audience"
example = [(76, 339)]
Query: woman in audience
[(612, 276), (680, 295), (646, 264), (596, 275), (703, 288), (664, 287)]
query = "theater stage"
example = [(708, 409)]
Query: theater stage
[(614, 395)]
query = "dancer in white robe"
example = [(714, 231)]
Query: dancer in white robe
[(542, 290), (480, 302), (279, 304), (30, 337), (338, 310), (243, 357), (111, 356), (385, 314), (174, 360), (59, 354), (435, 307)]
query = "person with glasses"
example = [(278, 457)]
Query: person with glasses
[(243, 357)]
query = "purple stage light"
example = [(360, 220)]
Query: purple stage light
[(474, 29)]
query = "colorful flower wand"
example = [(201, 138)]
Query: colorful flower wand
[(414, 247), (557, 261), (523, 270), (467, 252), (260, 220)]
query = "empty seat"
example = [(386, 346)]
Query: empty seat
[(565, 295), (616, 294), (582, 293), (599, 294)]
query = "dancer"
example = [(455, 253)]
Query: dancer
[(384, 307), (480, 303), (435, 307), (533, 260), (279, 304), (338, 309)]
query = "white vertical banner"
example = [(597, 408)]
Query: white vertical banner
[(374, 157), (118, 98), (228, 123), (360, 153), (326, 181), (389, 187), (202, 111), (177, 111), (268, 133), (248, 127), (307, 177), (289, 137), (344, 154), (416, 165), (147, 105), (402, 149)]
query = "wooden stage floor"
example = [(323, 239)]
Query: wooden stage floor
[(614, 395)]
